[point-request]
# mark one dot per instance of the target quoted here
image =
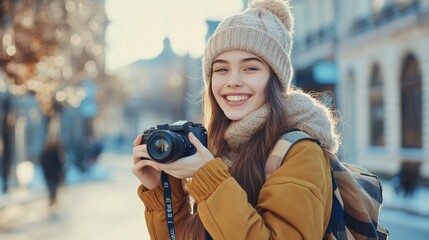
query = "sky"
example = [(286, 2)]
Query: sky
[(137, 28)]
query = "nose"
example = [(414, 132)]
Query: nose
[(235, 80)]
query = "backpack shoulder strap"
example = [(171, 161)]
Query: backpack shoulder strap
[(296, 136), (357, 193), (281, 149)]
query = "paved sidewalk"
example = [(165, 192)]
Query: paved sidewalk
[(37, 189), (98, 209), (417, 204)]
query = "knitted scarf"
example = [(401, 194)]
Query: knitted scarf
[(303, 112), (239, 132)]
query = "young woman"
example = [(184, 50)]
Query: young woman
[(248, 105)]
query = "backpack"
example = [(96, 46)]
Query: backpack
[(357, 195)]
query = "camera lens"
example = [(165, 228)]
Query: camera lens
[(165, 146), (161, 146)]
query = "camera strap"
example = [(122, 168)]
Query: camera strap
[(168, 205)]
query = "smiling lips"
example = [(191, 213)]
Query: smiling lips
[(236, 99)]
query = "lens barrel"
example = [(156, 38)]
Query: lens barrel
[(165, 146)]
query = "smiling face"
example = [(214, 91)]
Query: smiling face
[(239, 80)]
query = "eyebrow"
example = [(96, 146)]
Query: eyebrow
[(241, 61)]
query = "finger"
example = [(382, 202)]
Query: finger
[(139, 158), (149, 162), (201, 149), (196, 142), (144, 163), (140, 165), (142, 148), (138, 140), (140, 152)]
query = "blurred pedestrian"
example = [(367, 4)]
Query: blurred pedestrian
[(95, 150), (7, 137), (52, 162), (407, 178)]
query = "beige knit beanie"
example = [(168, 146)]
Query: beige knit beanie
[(264, 29)]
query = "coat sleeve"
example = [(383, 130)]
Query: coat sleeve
[(294, 203), (154, 207)]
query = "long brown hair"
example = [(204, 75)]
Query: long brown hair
[(247, 168)]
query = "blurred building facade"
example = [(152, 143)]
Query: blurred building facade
[(51, 61), (371, 58), (161, 90)]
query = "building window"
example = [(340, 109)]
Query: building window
[(411, 104), (376, 114)]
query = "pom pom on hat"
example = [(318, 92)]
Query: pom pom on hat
[(264, 29), (279, 8)]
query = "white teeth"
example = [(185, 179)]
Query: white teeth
[(237, 98)]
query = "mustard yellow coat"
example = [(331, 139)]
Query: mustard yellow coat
[(294, 202)]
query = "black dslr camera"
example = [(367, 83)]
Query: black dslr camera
[(167, 143)]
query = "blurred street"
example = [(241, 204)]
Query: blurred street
[(91, 75), (107, 207), (104, 205)]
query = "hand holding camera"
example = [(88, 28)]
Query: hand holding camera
[(178, 149), (148, 176)]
